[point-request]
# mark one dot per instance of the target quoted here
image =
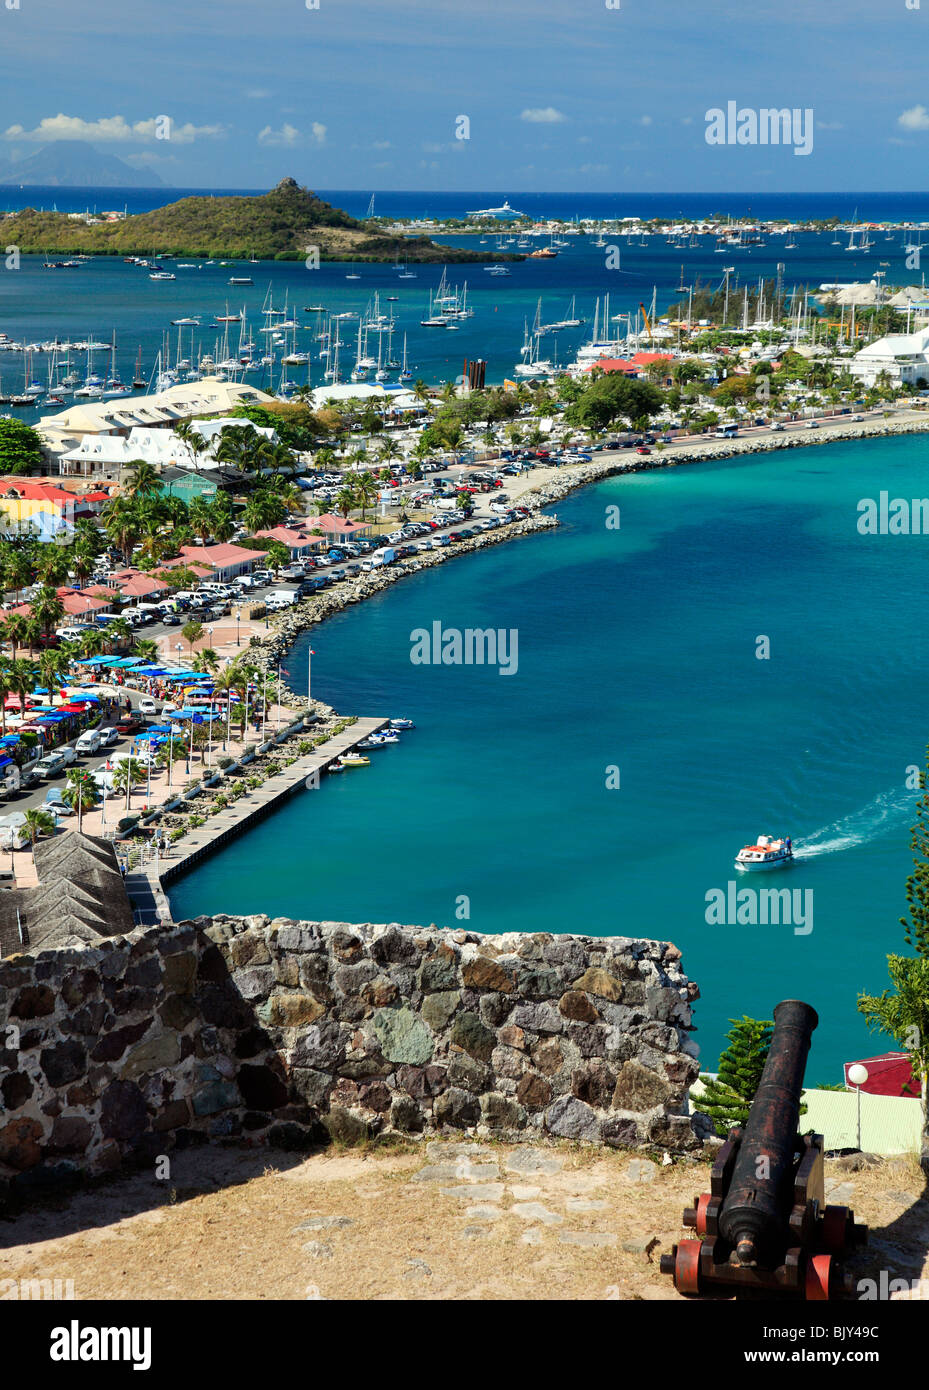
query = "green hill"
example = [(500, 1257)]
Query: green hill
[(280, 225)]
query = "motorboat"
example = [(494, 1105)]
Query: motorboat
[(355, 760), (765, 853), (402, 724)]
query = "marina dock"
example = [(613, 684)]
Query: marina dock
[(146, 885)]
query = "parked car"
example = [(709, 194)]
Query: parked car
[(89, 741), (108, 736), (643, 449), (172, 620), (52, 765), (148, 706), (129, 723)]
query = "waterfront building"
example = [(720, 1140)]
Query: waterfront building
[(35, 506), (903, 356)]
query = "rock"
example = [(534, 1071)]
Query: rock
[(261, 1089), (534, 1211), (214, 1096), (533, 1091), (324, 1223), (571, 1119), (477, 1232), (855, 1163), (587, 1239), (456, 1107), (403, 1036), (418, 1269), (577, 1007), (70, 1134), (619, 1133), (471, 1035), (487, 1192), (532, 1237), (594, 1083), (484, 1212), (123, 1113), (838, 1194), (501, 1112), (288, 1009), (485, 974), (524, 1192), (344, 1126), (438, 1008), (641, 1170), (20, 1144), (639, 1089), (468, 1073), (598, 982), (437, 1172), (581, 1204), (526, 1160), (63, 1063), (318, 1249), (153, 1055)]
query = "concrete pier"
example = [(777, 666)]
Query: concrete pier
[(146, 885)]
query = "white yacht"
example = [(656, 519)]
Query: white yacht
[(765, 853)]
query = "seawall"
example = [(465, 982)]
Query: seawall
[(293, 1034)]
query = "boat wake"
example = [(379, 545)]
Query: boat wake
[(888, 811)]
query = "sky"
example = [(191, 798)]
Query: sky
[(505, 95)]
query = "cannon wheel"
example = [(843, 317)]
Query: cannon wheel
[(703, 1201), (687, 1266), (835, 1229), (818, 1270)]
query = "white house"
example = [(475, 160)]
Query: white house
[(903, 356)]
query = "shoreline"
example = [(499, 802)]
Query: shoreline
[(537, 495)]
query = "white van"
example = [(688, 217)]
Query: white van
[(281, 598)]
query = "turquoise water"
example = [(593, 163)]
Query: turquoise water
[(637, 650)]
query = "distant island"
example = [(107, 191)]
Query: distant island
[(74, 164), (280, 225)]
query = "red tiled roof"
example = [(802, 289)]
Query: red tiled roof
[(328, 522), (35, 491), (287, 536), (140, 585), (220, 555)]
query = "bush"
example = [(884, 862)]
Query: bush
[(224, 760)]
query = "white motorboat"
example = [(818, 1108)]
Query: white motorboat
[(765, 853), (402, 724)]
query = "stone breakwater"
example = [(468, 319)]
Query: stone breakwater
[(267, 651), (293, 1034)]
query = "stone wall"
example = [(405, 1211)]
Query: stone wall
[(292, 1033)]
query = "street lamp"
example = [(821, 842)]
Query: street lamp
[(858, 1075), (237, 627)]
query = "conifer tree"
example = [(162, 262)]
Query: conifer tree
[(728, 1097)]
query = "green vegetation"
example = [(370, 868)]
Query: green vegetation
[(727, 1099), (20, 447), (903, 1012), (280, 225)]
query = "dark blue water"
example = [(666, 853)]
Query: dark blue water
[(874, 207), (637, 650)]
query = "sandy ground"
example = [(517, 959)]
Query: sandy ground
[(456, 1221)]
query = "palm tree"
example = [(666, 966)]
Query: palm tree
[(222, 523), (208, 658), (38, 822), (200, 517), (192, 632), (14, 631), (366, 491), (146, 649), (50, 669), (126, 776), (345, 500), (262, 511), (32, 632), (80, 792), (52, 566), (22, 676), (6, 687), (116, 628), (121, 524), (143, 479), (48, 608), (91, 642), (17, 571)]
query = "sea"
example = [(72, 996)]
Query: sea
[(734, 660), (110, 302), (605, 786)]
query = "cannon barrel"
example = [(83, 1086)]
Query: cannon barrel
[(754, 1216)]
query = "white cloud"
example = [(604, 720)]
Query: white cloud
[(915, 118), (289, 136), (584, 139), (645, 120), (594, 169), (112, 130), (257, 94), (381, 145), (542, 115), (829, 125)]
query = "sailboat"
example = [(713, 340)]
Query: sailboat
[(405, 373), (434, 320)]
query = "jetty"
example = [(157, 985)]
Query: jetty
[(146, 884)]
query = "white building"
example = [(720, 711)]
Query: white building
[(211, 396), (903, 356)]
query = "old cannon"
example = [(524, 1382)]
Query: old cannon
[(763, 1228)]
